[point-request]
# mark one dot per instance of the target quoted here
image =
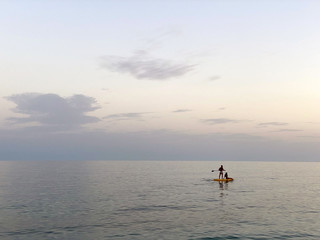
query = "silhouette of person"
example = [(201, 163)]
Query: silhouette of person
[(221, 172)]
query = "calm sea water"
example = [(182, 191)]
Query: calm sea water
[(158, 200)]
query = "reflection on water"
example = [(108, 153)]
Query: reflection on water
[(223, 185)]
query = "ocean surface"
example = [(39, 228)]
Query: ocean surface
[(158, 200)]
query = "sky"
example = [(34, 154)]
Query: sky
[(160, 80)]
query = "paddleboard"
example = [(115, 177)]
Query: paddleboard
[(223, 180)]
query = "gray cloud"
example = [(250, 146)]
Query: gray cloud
[(161, 36), (266, 124), (126, 116), (151, 145), (142, 66), (287, 130), (214, 78), (52, 111), (181, 110), (309, 136), (220, 121)]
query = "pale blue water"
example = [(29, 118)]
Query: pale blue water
[(158, 200)]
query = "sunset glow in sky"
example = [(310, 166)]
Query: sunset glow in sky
[(160, 80)]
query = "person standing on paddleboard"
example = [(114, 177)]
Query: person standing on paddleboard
[(221, 172)]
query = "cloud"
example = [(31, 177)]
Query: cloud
[(220, 121), (161, 36), (126, 116), (151, 145), (214, 78), (312, 122), (142, 66), (52, 111), (181, 110), (309, 136), (288, 130), (266, 124)]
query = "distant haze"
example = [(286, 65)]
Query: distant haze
[(160, 80)]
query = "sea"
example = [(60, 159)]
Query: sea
[(84, 200)]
